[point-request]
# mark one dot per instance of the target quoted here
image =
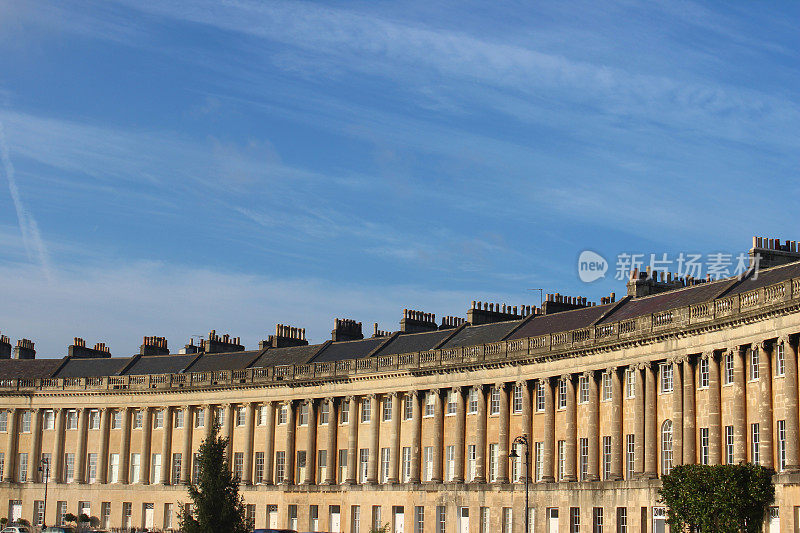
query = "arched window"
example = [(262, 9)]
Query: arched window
[(666, 447)]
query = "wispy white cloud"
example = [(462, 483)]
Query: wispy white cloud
[(27, 223), (415, 54)]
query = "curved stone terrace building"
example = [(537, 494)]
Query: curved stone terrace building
[(414, 428)]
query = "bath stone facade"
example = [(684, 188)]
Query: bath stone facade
[(414, 428)]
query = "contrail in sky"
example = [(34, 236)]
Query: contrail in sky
[(34, 245)]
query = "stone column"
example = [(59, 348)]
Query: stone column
[(651, 416), (639, 420), (124, 448), (480, 446), (502, 437), (57, 459), (333, 456), (790, 406), (460, 436), (416, 436), (186, 449), (249, 428), (36, 445), (438, 435), (394, 460), (209, 419), (166, 447), (11, 446), (714, 410), (80, 454), (677, 412), (147, 432), (291, 428), (765, 403), (571, 444), (311, 443), (689, 419), (739, 406), (548, 446), (269, 444), (374, 435), (352, 441), (527, 422), (617, 437), (230, 412), (594, 427), (102, 467)]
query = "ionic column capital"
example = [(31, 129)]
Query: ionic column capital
[(457, 390), (610, 370), (501, 386), (543, 382), (588, 374), (350, 398), (566, 377), (646, 365), (309, 401), (784, 339)]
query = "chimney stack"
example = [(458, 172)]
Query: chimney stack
[(487, 313), (379, 332), (417, 321), (450, 322), (24, 349), (5, 347), (78, 350), (345, 329), (772, 253), (285, 336), (556, 303), (224, 344), (154, 346)]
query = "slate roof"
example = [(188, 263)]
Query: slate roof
[(472, 335), (337, 351), (89, 368), (565, 320), (161, 364), (28, 368), (415, 342), (767, 277), (292, 355), (224, 361)]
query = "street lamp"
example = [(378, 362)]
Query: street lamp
[(523, 440), (44, 471)]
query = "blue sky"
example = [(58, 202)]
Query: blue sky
[(171, 167)]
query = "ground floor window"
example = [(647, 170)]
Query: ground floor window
[(597, 520), (622, 520), (574, 520)]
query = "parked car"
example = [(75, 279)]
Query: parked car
[(16, 529), (58, 529)]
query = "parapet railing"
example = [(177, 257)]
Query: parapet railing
[(661, 322)]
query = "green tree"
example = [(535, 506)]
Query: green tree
[(69, 517), (217, 505), (718, 499)]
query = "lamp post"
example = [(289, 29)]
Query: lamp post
[(523, 440), (44, 471)]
